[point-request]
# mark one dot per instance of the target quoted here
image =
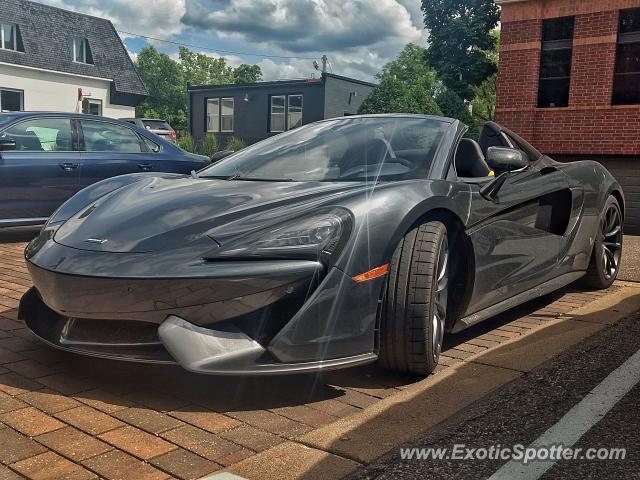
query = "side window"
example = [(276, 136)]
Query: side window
[(108, 137), (41, 134), (152, 146)]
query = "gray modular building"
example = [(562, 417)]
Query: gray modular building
[(255, 111)]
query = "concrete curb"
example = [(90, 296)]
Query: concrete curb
[(338, 449)]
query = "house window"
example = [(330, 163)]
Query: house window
[(226, 115), (295, 111), (213, 114), (626, 83), (286, 112), (278, 121), (220, 114), (9, 36), (555, 62), (92, 106), (81, 51), (11, 100)]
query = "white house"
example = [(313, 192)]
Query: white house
[(56, 60)]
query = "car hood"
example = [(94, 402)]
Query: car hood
[(158, 213)]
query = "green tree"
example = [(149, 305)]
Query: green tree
[(459, 38), (453, 106), (201, 69), (406, 85), (484, 100), (247, 73), (165, 82)]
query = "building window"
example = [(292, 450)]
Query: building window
[(278, 121), (81, 51), (213, 114), (295, 111), (555, 62), (92, 106), (11, 100), (626, 83), (226, 115), (220, 114), (286, 112), (9, 36)]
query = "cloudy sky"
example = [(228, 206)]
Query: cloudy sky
[(358, 36)]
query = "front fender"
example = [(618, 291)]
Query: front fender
[(390, 212)]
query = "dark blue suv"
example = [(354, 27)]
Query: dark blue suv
[(46, 157)]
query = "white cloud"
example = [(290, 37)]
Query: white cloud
[(160, 18), (359, 36), (132, 55), (307, 25)]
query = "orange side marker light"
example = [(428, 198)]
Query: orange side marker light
[(373, 273)]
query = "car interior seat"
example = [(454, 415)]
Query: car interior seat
[(27, 141), (469, 160), (63, 141)]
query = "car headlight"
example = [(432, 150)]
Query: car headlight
[(314, 237)]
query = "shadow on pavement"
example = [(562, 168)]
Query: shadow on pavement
[(367, 436), (233, 393)]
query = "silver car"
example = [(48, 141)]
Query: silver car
[(154, 125)]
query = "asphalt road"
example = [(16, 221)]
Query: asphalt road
[(521, 411)]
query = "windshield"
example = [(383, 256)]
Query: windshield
[(345, 149)]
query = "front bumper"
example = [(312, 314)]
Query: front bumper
[(255, 317)]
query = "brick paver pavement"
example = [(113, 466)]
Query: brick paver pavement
[(63, 415)]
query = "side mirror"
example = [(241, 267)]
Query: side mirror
[(216, 157), (502, 159), (7, 144)]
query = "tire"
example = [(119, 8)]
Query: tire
[(604, 264), (415, 301)]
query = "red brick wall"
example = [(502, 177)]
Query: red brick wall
[(590, 125)]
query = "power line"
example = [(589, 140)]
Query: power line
[(215, 50)]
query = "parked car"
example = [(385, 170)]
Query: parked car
[(341, 242), (154, 125), (47, 157)]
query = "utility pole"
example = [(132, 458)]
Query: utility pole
[(324, 63)]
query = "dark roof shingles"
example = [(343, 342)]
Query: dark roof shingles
[(47, 35)]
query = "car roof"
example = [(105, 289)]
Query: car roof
[(48, 113), (30, 114)]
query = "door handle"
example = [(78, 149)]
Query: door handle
[(68, 167), (145, 167)]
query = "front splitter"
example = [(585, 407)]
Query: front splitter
[(197, 349)]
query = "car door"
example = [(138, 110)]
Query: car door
[(41, 172), (110, 149), (519, 236)]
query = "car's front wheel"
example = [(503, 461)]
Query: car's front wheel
[(414, 309)]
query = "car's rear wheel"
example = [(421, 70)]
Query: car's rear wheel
[(607, 249), (414, 307)]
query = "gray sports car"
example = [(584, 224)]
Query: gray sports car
[(342, 242)]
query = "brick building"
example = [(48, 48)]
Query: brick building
[(569, 82)]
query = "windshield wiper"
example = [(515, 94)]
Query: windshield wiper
[(258, 179), (238, 176)]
